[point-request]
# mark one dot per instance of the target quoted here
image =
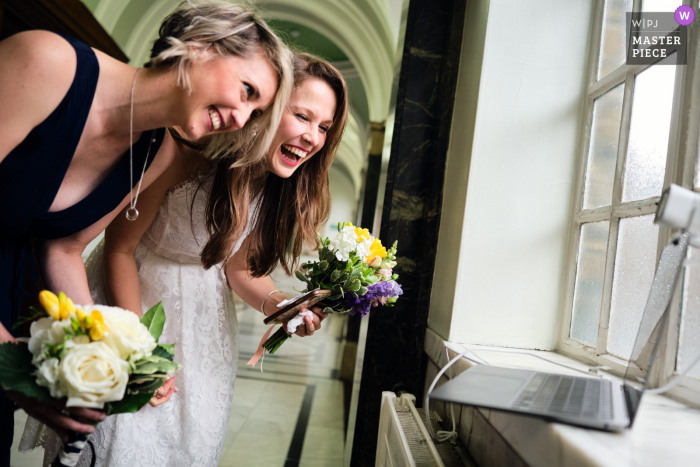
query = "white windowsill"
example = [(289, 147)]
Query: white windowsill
[(665, 431)]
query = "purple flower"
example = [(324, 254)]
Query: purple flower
[(376, 294)]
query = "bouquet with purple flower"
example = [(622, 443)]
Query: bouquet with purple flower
[(358, 270)]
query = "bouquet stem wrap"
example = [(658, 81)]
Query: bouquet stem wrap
[(70, 454)]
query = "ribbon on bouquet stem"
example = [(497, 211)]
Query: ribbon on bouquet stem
[(254, 359)]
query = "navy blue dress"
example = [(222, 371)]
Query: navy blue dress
[(30, 177)]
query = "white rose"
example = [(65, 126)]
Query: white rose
[(92, 374), (125, 334), (44, 332), (47, 376)]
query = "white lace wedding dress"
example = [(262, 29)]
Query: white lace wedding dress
[(188, 430)]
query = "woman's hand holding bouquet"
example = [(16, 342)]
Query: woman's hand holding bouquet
[(358, 270), (96, 357)]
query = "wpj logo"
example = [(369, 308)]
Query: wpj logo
[(658, 38)]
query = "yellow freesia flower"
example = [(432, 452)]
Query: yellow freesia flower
[(362, 234), (49, 301), (376, 250), (96, 325), (82, 317), (65, 306)]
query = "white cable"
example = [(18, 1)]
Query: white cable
[(426, 403), (675, 380), (442, 435)]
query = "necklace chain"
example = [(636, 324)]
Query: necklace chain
[(132, 214)]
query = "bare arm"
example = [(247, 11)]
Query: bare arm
[(253, 290), (37, 70)]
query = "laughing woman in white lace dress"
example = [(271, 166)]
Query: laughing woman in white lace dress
[(205, 227)]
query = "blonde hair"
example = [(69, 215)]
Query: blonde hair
[(226, 29)]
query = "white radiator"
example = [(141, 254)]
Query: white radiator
[(404, 440)]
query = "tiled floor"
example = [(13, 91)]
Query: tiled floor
[(289, 415)]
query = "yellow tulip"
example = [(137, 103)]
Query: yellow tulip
[(97, 325), (65, 306), (49, 301)]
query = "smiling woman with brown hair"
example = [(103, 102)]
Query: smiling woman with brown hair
[(68, 119)]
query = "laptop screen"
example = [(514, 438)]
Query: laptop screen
[(654, 321)]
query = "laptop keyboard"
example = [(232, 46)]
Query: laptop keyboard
[(567, 395)]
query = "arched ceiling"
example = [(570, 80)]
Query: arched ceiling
[(359, 37)]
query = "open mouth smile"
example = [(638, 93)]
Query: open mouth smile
[(215, 119), (292, 155)]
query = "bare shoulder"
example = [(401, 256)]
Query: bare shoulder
[(37, 70)]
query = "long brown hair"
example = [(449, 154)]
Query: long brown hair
[(290, 210)]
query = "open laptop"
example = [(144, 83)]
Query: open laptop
[(588, 402)]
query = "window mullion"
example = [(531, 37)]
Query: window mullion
[(602, 343)]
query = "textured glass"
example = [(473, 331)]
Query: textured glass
[(613, 42), (602, 152), (588, 290), (689, 343), (649, 129), (660, 5), (635, 263)]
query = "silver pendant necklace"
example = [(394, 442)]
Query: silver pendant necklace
[(132, 214)]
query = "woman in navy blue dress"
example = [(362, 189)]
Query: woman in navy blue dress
[(67, 168)]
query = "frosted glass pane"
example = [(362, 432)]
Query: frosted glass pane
[(588, 290), (697, 168), (635, 263), (689, 344), (602, 153), (661, 5), (614, 36), (649, 129)]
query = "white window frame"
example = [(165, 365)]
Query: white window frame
[(680, 169)]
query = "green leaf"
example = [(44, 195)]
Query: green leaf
[(130, 404), (149, 387), (300, 276), (362, 291), (335, 275), (356, 273), (162, 365), (328, 310), (343, 278), (154, 320), (17, 371), (355, 286), (165, 351), (348, 266)]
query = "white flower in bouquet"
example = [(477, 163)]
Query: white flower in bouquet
[(92, 374), (363, 247), (344, 243), (47, 376), (125, 334), (44, 332)]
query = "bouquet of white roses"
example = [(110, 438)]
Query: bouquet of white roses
[(96, 356), (356, 267)]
